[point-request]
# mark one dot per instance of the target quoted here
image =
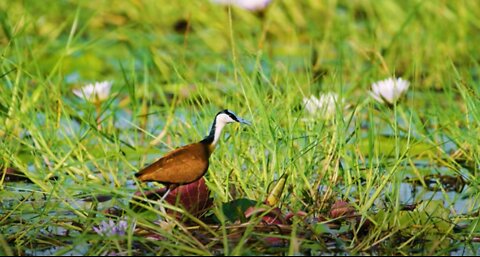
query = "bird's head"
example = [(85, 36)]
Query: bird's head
[(221, 119), (227, 116)]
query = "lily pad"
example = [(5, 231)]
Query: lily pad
[(235, 210)]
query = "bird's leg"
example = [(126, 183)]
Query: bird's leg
[(162, 208), (166, 194), (170, 189)]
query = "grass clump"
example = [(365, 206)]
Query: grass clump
[(368, 178)]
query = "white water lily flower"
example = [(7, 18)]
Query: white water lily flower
[(99, 91), (251, 5), (324, 106), (389, 90)]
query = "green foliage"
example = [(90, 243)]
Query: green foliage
[(235, 210), (174, 64)]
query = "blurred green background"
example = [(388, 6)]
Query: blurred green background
[(174, 64)]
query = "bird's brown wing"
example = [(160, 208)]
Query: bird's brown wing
[(181, 166)]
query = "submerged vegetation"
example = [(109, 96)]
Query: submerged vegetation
[(341, 157)]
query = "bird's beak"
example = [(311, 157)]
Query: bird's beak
[(243, 121)]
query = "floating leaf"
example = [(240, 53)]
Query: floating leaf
[(341, 208), (275, 241), (429, 217), (14, 175), (193, 197), (235, 210), (273, 216), (97, 198), (434, 213), (384, 145), (300, 214), (449, 183), (321, 228)]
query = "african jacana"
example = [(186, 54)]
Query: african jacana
[(189, 163)]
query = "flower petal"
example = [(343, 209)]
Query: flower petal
[(389, 90), (99, 91)]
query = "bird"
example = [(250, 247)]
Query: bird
[(188, 163)]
